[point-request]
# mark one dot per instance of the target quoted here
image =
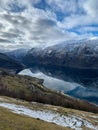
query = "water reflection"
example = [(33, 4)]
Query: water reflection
[(79, 84), (51, 82), (87, 78)]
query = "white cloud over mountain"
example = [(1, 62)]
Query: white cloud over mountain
[(24, 24)]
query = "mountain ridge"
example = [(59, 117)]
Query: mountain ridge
[(79, 54), (10, 64)]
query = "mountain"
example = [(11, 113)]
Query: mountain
[(76, 54), (10, 64), (17, 54)]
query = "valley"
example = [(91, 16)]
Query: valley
[(48, 64), (38, 78)]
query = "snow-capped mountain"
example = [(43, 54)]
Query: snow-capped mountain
[(17, 54), (81, 54)]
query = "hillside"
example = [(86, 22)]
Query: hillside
[(32, 89), (18, 114), (10, 64), (17, 54), (9, 120)]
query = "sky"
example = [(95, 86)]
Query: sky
[(31, 23)]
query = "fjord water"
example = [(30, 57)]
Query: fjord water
[(78, 83)]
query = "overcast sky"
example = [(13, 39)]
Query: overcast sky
[(29, 23)]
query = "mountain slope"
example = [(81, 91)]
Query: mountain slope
[(38, 116), (17, 54), (76, 54), (9, 64), (13, 121)]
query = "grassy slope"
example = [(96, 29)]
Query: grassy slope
[(11, 121), (31, 89)]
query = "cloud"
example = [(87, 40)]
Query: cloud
[(16, 5), (4, 40), (66, 6), (1, 26), (22, 24), (91, 7), (88, 29)]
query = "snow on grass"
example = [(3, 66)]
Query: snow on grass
[(96, 117), (3, 99), (70, 121)]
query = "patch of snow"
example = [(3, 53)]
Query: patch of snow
[(49, 51), (96, 117), (1, 99), (70, 121)]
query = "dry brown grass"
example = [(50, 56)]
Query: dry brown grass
[(11, 121)]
